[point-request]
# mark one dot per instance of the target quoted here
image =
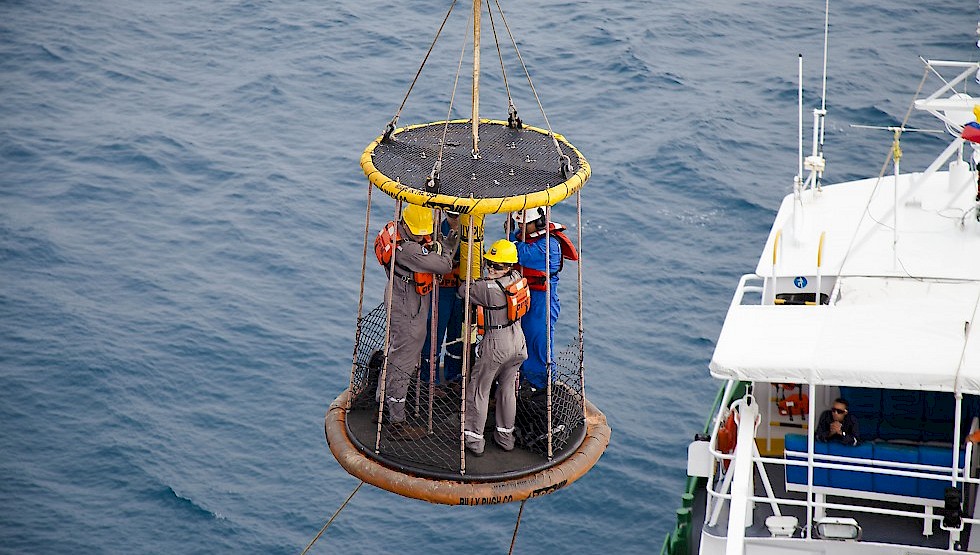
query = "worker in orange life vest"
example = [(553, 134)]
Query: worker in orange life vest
[(502, 298), (531, 227), (416, 259)]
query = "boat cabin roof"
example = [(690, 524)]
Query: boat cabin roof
[(938, 237), (882, 332), (901, 304)]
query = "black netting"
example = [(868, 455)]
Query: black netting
[(438, 451), (512, 162), (567, 414)]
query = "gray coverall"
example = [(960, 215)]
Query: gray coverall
[(500, 356), (409, 314)]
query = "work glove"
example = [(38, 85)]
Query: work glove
[(435, 247)]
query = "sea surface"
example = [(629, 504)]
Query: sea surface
[(181, 226)]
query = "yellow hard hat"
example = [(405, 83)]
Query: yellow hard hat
[(502, 252), (418, 219)]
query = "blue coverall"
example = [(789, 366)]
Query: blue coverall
[(532, 255)]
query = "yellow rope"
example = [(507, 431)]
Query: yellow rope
[(325, 526), (516, 526)]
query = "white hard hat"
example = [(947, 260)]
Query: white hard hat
[(524, 216)]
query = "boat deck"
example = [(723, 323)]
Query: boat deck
[(875, 526)]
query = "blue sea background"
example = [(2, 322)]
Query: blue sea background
[(181, 225)]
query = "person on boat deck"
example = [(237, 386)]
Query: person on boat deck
[(449, 326), (416, 259), (836, 424), (531, 227), (502, 295)]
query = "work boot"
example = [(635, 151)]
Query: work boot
[(403, 431), (474, 443)]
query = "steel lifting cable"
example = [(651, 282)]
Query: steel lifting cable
[(394, 120), (551, 133), (517, 525), (884, 166), (344, 504), (360, 297), (452, 99), (511, 109)]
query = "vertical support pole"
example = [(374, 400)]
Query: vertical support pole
[(383, 378), (477, 10), (797, 186), (547, 321), (360, 298), (467, 342), (809, 458), (897, 157), (957, 435), (433, 327), (581, 324)]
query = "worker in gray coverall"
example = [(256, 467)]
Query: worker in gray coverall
[(502, 350), (417, 258)]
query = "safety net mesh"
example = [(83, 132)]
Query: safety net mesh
[(512, 162), (437, 410)]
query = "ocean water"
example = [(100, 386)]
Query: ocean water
[(181, 223)]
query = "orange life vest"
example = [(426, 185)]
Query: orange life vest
[(536, 278), (518, 302), (385, 243), (451, 279), (794, 404)]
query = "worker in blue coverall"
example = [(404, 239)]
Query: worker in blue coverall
[(449, 326), (531, 227)]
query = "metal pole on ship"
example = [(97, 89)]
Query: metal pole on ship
[(477, 9)]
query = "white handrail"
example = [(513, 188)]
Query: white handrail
[(740, 504), (744, 288)]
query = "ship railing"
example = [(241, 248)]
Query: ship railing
[(819, 505), (747, 284), (939, 107), (928, 517)]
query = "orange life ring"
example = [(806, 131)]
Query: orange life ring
[(728, 436)]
